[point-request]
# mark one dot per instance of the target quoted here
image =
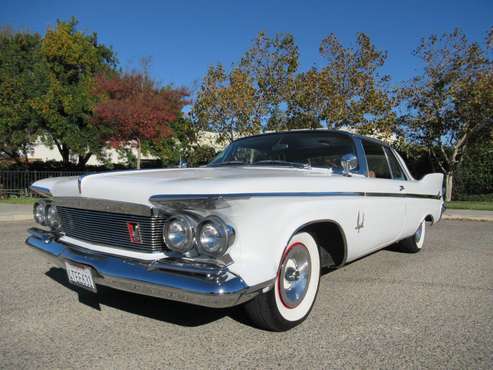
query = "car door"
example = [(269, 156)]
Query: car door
[(385, 204)]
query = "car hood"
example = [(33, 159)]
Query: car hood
[(139, 186)]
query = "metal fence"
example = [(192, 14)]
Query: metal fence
[(17, 183)]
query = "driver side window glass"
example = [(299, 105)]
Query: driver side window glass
[(377, 161)]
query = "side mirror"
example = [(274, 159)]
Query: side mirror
[(349, 162)]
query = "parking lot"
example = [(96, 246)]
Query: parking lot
[(433, 310)]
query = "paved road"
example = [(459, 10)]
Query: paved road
[(389, 310)]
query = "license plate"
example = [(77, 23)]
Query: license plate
[(80, 276)]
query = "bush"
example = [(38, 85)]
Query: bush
[(475, 174)]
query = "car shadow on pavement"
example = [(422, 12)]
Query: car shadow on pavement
[(155, 308)]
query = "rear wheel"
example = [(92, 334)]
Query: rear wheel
[(296, 287), (414, 243)]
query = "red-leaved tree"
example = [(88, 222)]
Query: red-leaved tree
[(135, 109)]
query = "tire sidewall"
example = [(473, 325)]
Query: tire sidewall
[(301, 311), (420, 243)]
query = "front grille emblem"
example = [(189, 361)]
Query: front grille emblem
[(134, 232)]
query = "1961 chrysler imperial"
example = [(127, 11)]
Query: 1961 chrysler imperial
[(254, 227)]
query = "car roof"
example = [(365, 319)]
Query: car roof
[(295, 131)]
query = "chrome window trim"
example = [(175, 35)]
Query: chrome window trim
[(402, 164), (388, 149)]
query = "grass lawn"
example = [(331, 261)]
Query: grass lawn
[(18, 200), (472, 205)]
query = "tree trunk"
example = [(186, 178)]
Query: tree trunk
[(139, 153), (65, 153), (83, 159), (449, 183)]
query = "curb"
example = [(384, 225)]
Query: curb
[(12, 218), (467, 218)]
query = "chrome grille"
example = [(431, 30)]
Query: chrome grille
[(111, 228)]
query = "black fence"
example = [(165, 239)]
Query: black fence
[(17, 183)]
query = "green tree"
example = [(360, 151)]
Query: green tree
[(452, 100), (22, 76), (348, 91), (73, 60), (272, 64), (227, 103)]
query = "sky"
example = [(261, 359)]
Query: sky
[(183, 38)]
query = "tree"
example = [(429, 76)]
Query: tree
[(227, 103), (136, 109), (73, 59), (272, 64), (452, 100), (348, 92), (22, 76)]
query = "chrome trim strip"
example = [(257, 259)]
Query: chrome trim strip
[(104, 205), (41, 190), (207, 200), (200, 284)]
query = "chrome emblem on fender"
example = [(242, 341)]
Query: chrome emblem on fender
[(360, 222), (134, 232)]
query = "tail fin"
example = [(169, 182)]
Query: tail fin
[(433, 183)]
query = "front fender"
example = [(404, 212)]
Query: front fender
[(265, 226)]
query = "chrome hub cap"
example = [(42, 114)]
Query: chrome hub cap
[(294, 275), (419, 234)]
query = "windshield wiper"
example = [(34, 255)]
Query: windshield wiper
[(228, 163), (282, 163)]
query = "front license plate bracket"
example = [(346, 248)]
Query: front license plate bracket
[(81, 276)]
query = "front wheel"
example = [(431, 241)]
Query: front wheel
[(415, 242), (291, 300)]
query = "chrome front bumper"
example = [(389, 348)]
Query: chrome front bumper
[(176, 280)]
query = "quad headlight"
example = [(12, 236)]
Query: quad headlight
[(179, 233), (46, 214), (52, 218), (39, 213), (211, 236), (214, 236)]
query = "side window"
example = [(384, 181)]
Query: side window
[(377, 161), (397, 172)]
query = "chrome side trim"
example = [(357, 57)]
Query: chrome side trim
[(104, 205), (200, 284), (41, 190), (214, 201)]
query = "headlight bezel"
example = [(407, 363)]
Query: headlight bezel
[(39, 210), (56, 223), (226, 232), (43, 215), (189, 224), (193, 225)]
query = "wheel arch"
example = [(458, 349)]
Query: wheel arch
[(330, 238)]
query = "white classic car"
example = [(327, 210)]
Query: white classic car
[(253, 227)]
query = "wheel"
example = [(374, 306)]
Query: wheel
[(415, 242), (296, 287)]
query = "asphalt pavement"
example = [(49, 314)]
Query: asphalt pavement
[(389, 310)]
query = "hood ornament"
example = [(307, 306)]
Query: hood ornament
[(79, 183)]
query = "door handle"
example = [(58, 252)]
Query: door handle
[(401, 187)]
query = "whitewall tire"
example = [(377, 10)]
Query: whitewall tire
[(295, 290), (415, 242)]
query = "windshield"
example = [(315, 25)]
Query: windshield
[(311, 148)]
